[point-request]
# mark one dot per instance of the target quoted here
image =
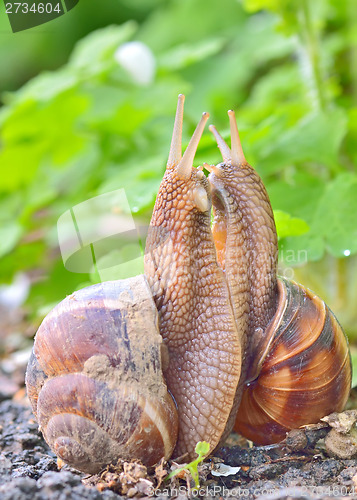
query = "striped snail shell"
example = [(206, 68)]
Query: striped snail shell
[(95, 378), (301, 373)]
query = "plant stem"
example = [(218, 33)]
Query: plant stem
[(310, 43), (352, 17), (341, 282)]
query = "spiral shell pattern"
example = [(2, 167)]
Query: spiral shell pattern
[(304, 374), (95, 378)]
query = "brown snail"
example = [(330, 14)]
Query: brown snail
[(297, 362), (96, 378)]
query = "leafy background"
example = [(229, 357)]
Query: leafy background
[(75, 124)]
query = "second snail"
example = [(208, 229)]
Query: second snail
[(207, 340)]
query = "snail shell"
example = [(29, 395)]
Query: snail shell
[(302, 373), (95, 378)]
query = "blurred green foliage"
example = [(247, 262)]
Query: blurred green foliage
[(289, 69), (48, 46)]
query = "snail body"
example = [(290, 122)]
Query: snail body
[(208, 338)]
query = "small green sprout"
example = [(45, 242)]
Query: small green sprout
[(202, 450)]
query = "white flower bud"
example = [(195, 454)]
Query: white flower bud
[(138, 60)]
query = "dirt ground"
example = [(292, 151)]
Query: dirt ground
[(305, 466), (297, 469)]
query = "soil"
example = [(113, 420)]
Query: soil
[(302, 467), (297, 469)]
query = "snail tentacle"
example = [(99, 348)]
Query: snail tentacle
[(176, 141)]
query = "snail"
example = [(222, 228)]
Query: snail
[(95, 378), (297, 364), (146, 367)]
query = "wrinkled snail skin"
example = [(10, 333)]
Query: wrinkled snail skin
[(192, 298), (296, 366), (238, 192), (95, 379)]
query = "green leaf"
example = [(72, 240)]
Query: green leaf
[(95, 53), (288, 11), (289, 226), (10, 235), (202, 448), (139, 178), (317, 137), (58, 283), (218, 82), (46, 86), (34, 135), (125, 120), (298, 250), (298, 196), (255, 5), (336, 216), (331, 216), (19, 164), (186, 22), (119, 264), (186, 54)]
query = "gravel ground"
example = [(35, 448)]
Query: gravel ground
[(28, 469)]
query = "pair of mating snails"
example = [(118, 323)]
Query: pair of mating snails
[(209, 339)]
